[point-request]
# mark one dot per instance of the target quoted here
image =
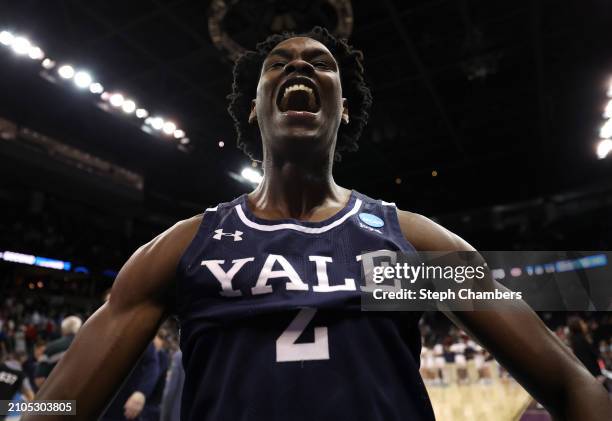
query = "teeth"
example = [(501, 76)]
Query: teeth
[(311, 106), (297, 87)]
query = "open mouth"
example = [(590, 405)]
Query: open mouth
[(298, 94)]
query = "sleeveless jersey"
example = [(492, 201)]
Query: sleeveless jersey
[(271, 326), (10, 382)]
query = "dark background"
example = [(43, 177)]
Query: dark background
[(503, 99)]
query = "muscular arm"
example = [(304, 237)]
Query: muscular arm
[(520, 341), (110, 342)]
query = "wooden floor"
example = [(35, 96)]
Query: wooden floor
[(499, 401)]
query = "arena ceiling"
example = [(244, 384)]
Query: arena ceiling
[(503, 100)]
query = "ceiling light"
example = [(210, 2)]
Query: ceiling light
[(141, 113), (21, 45), (608, 111), (251, 175), (96, 88), (66, 71), (604, 148), (129, 106), (157, 123), (82, 79), (169, 127), (606, 130), (116, 100), (6, 38), (36, 53), (48, 63), (178, 133)]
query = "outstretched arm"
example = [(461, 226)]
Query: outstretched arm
[(110, 342), (520, 341)]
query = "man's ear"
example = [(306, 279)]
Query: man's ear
[(345, 112), (253, 115)]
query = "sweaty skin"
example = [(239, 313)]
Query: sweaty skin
[(298, 183)]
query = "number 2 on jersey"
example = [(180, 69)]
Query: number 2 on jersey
[(288, 350)]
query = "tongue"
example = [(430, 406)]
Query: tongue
[(298, 101)]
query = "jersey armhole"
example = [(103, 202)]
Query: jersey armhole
[(187, 256), (396, 230)]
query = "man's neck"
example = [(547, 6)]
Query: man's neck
[(296, 190)]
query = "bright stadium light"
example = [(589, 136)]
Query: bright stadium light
[(157, 123), (608, 111), (169, 127), (606, 130), (251, 175), (82, 80), (128, 106), (6, 38), (35, 53), (48, 64), (604, 147), (96, 88), (66, 71), (21, 45), (116, 100)]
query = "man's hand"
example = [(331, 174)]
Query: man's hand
[(134, 405)]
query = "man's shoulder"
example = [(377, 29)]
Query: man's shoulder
[(178, 235), (427, 235)]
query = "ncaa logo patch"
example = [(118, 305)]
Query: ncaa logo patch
[(371, 220)]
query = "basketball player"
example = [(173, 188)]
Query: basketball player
[(266, 287), (13, 380)]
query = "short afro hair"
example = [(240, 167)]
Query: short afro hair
[(247, 69)]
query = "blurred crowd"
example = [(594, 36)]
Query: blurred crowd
[(35, 333), (450, 356), (34, 336)]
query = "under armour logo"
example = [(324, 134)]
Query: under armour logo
[(219, 233)]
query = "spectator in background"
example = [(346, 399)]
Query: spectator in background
[(152, 409), (20, 339), (15, 362), (582, 345), (173, 392), (129, 402), (13, 380), (56, 349)]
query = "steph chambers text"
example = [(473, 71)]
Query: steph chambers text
[(441, 296)]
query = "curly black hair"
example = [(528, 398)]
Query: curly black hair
[(246, 73)]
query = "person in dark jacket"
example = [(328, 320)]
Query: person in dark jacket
[(129, 402), (152, 408), (582, 346), (173, 392), (55, 350)]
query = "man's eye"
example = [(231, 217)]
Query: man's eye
[(277, 64), (321, 64)]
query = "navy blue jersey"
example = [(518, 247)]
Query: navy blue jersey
[(271, 324)]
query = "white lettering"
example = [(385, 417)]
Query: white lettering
[(225, 278), (262, 287), (321, 262)]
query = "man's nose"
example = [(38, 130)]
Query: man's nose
[(299, 66)]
